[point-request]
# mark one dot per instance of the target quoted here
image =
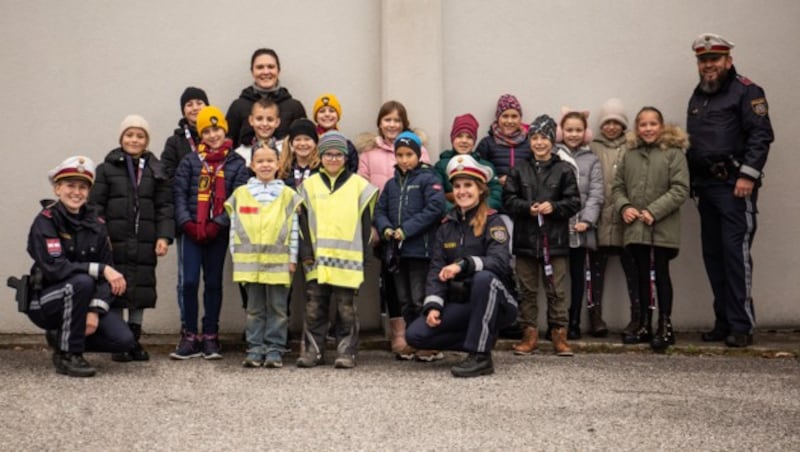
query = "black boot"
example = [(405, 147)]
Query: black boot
[(597, 327), (664, 336), (633, 325), (644, 332), (574, 325), (72, 364), (474, 365), (51, 336), (138, 353)]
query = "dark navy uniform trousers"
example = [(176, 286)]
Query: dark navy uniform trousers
[(64, 307), (728, 225), (471, 326)]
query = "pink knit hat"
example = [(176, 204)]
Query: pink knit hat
[(464, 123), (507, 102)]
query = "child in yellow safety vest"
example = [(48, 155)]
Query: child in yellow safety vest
[(336, 222), (264, 246)]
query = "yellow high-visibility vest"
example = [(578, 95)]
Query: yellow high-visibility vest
[(334, 223), (260, 242)]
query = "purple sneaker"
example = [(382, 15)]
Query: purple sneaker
[(210, 346), (188, 347)]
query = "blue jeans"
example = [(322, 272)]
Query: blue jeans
[(267, 318), (211, 258)]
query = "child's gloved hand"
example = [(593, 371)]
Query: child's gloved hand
[(194, 231), (212, 230)]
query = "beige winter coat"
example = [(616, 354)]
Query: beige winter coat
[(609, 226)]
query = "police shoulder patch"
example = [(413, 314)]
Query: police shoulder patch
[(759, 106), (744, 80), (499, 234)]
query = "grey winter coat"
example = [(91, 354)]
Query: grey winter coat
[(590, 185), (610, 153), (654, 178)]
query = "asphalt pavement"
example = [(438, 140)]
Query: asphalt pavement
[(622, 399)]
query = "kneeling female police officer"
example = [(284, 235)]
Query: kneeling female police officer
[(72, 255), (469, 291)]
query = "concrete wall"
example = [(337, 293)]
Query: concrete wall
[(73, 70)]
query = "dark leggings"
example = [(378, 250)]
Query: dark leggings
[(599, 262), (577, 281), (641, 255)]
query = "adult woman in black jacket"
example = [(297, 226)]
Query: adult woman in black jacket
[(265, 66), (470, 285)]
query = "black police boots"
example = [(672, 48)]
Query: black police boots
[(474, 365), (72, 364), (138, 353), (738, 340), (644, 332), (664, 336)]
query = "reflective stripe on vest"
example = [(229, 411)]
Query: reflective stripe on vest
[(334, 222), (260, 245)]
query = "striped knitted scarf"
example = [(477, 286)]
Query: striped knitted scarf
[(211, 194), (511, 141)]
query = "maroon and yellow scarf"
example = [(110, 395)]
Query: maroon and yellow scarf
[(211, 194)]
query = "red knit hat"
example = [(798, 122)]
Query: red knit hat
[(464, 123)]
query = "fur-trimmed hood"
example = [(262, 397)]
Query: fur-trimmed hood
[(368, 141), (672, 137)]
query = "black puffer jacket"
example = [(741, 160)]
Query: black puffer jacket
[(177, 146), (502, 156), (239, 129), (134, 250), (539, 181)]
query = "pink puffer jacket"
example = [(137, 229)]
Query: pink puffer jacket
[(376, 163)]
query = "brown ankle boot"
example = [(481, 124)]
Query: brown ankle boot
[(398, 327), (560, 342), (530, 339)]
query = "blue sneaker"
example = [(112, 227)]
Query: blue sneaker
[(274, 360), (188, 347), (211, 347)]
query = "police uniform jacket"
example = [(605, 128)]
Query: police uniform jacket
[(535, 182), (732, 123), (456, 242), (63, 244), (413, 202), (134, 246)]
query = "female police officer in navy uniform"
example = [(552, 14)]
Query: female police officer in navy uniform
[(469, 291), (72, 255)]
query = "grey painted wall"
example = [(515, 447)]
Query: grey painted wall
[(72, 70)]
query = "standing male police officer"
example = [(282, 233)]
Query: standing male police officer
[(730, 133)]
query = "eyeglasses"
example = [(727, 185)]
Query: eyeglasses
[(333, 156)]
